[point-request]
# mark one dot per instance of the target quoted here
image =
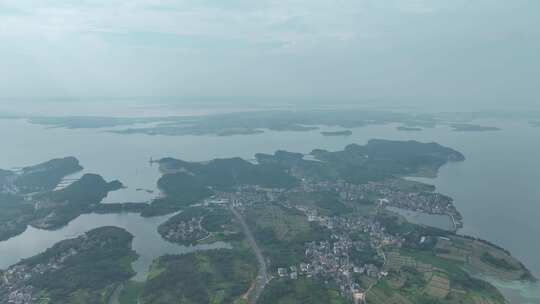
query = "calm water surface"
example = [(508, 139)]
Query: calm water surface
[(434, 220), (147, 242), (496, 188)]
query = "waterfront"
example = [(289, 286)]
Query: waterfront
[(433, 220), (495, 189), (147, 242)]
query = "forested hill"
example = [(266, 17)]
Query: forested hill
[(85, 269), (42, 177)]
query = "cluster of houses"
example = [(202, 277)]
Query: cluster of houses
[(14, 287)]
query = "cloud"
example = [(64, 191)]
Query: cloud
[(348, 49), (236, 19)]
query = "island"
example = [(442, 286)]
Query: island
[(337, 133), (257, 122), (408, 129), (90, 122), (239, 123), (472, 128), (85, 269), (196, 225)]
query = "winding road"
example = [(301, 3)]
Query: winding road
[(262, 276)]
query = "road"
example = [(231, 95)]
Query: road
[(262, 277), (381, 252)]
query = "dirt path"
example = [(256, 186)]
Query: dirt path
[(114, 298)]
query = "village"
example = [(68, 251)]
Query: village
[(14, 281), (345, 257)]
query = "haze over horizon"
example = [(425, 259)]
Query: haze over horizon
[(457, 54), (269, 151)]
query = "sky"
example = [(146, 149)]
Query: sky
[(392, 52)]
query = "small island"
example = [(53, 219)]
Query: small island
[(337, 133), (196, 225), (472, 128), (408, 129)]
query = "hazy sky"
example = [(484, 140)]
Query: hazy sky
[(402, 51)]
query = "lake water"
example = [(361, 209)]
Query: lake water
[(496, 188), (434, 220), (147, 242)]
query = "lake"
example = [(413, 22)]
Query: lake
[(434, 220), (496, 188)]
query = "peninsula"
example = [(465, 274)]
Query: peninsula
[(32, 196), (323, 229)]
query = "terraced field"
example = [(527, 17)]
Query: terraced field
[(438, 285), (424, 277), (382, 294), (481, 257)]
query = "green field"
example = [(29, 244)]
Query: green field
[(282, 233), (421, 277), (220, 276), (301, 291)]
